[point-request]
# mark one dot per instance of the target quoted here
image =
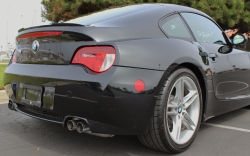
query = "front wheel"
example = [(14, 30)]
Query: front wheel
[(177, 114)]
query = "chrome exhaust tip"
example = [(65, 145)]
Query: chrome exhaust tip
[(72, 125), (82, 127), (11, 106)]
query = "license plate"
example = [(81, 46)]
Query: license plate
[(32, 95)]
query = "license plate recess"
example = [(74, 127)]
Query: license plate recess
[(32, 95)]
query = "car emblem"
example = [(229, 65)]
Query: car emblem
[(35, 46), (179, 110)]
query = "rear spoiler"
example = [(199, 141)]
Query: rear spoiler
[(51, 25)]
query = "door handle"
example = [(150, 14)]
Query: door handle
[(212, 55)]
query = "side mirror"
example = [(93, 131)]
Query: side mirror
[(239, 39), (225, 49)]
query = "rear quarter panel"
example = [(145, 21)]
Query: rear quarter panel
[(162, 54), (158, 54)]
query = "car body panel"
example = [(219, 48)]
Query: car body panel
[(230, 72), (109, 98), (52, 49)]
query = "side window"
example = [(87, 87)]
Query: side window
[(174, 27), (204, 29)]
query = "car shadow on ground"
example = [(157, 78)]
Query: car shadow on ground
[(50, 136), (54, 137)]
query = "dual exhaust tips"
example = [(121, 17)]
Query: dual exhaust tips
[(80, 126)]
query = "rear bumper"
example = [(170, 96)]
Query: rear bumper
[(108, 101)]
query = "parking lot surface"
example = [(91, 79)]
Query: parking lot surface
[(228, 135)]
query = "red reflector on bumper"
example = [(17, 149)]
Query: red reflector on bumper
[(139, 85)]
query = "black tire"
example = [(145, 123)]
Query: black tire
[(158, 137)]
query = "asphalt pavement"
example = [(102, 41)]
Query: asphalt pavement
[(20, 135)]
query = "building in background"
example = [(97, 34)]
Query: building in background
[(10, 47), (2, 48), (6, 50)]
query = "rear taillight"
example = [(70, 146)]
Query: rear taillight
[(39, 34), (98, 58), (13, 57)]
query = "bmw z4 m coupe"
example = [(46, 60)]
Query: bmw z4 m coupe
[(152, 70)]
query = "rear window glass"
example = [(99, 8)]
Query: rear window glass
[(106, 14), (174, 27)]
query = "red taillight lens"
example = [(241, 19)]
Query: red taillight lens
[(38, 34), (98, 58), (13, 57)]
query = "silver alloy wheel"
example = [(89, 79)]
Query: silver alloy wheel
[(183, 110)]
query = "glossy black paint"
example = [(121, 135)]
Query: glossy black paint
[(229, 72), (109, 100), (95, 97), (53, 49)]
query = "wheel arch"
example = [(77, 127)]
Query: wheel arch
[(198, 73), (201, 80)]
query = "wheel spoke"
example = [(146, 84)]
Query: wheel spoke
[(176, 127), (187, 104), (189, 95), (171, 113), (172, 105), (179, 90), (187, 124), (172, 102), (188, 118)]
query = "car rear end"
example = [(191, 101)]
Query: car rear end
[(66, 71)]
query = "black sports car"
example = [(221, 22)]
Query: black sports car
[(154, 70)]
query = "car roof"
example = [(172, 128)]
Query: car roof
[(112, 13), (179, 8), (139, 10), (139, 15)]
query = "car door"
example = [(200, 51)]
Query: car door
[(230, 66)]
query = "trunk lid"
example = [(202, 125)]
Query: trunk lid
[(41, 45)]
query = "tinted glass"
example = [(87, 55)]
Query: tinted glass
[(204, 29), (173, 26), (106, 14)]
